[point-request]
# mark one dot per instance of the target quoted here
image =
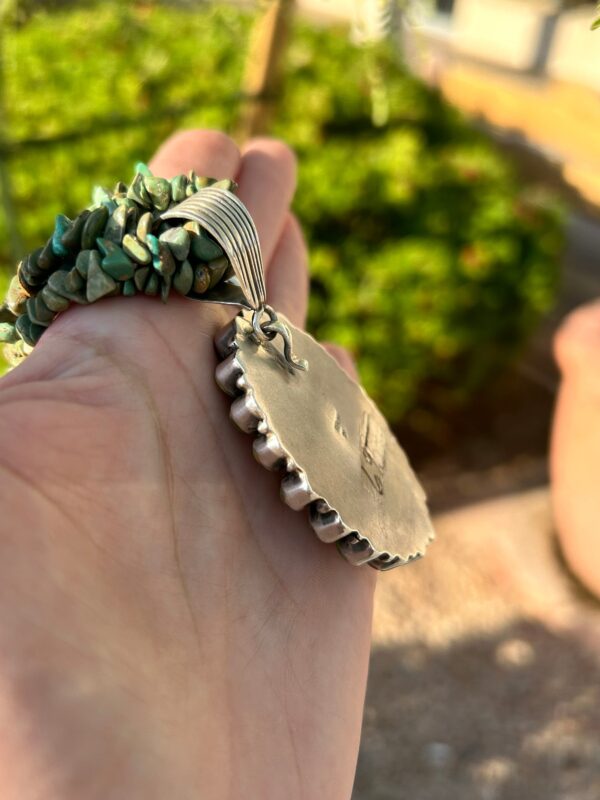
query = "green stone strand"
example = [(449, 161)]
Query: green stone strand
[(117, 246)]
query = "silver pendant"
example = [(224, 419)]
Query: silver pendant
[(337, 454)]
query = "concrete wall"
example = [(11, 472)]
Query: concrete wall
[(575, 52), (510, 33)]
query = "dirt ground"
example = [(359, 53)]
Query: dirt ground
[(495, 445), (485, 671)]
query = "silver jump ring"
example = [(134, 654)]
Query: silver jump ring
[(259, 326)]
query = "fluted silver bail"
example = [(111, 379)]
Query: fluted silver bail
[(226, 218)]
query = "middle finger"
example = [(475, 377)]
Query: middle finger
[(267, 181)]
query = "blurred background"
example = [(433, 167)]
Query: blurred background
[(449, 181)]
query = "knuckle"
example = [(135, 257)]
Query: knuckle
[(198, 148), (279, 154), (578, 336)]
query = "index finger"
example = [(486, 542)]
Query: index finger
[(208, 153)]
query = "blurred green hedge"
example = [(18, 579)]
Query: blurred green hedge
[(428, 260)]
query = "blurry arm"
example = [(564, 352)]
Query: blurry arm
[(575, 452)]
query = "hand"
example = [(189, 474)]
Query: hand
[(575, 458), (168, 628)]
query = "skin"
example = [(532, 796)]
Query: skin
[(168, 628), (575, 451)]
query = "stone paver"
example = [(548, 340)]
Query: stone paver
[(485, 672)]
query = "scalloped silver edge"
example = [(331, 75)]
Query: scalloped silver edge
[(295, 490)]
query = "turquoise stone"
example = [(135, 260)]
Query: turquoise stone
[(226, 183), (29, 332), (6, 315), (140, 277), (138, 192), (48, 258), (115, 227), (184, 278), (202, 183), (166, 263), (43, 314), (59, 283), (36, 332), (178, 187), (201, 279), (144, 169), (73, 281), (55, 302), (16, 296), (204, 248), (144, 226), (27, 285), (125, 201), (61, 226), (153, 244), (152, 285), (165, 289), (178, 240), (30, 270), (8, 333), (94, 225), (31, 274), (34, 258), (133, 216), (136, 250), (193, 227), (159, 190), (71, 239), (38, 312), (129, 289), (115, 263), (100, 195), (23, 328), (99, 284), (217, 269), (82, 262), (31, 309), (56, 282), (110, 206)]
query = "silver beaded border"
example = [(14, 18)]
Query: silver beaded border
[(295, 490)]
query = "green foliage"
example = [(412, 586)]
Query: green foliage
[(428, 260), (89, 68)]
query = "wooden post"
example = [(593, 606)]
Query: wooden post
[(262, 79)]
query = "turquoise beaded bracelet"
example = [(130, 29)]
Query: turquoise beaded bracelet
[(120, 245)]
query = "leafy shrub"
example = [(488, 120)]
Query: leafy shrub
[(428, 260), (89, 69)]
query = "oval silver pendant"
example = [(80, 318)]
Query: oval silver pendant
[(334, 447)]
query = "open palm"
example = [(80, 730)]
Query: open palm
[(168, 628)]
